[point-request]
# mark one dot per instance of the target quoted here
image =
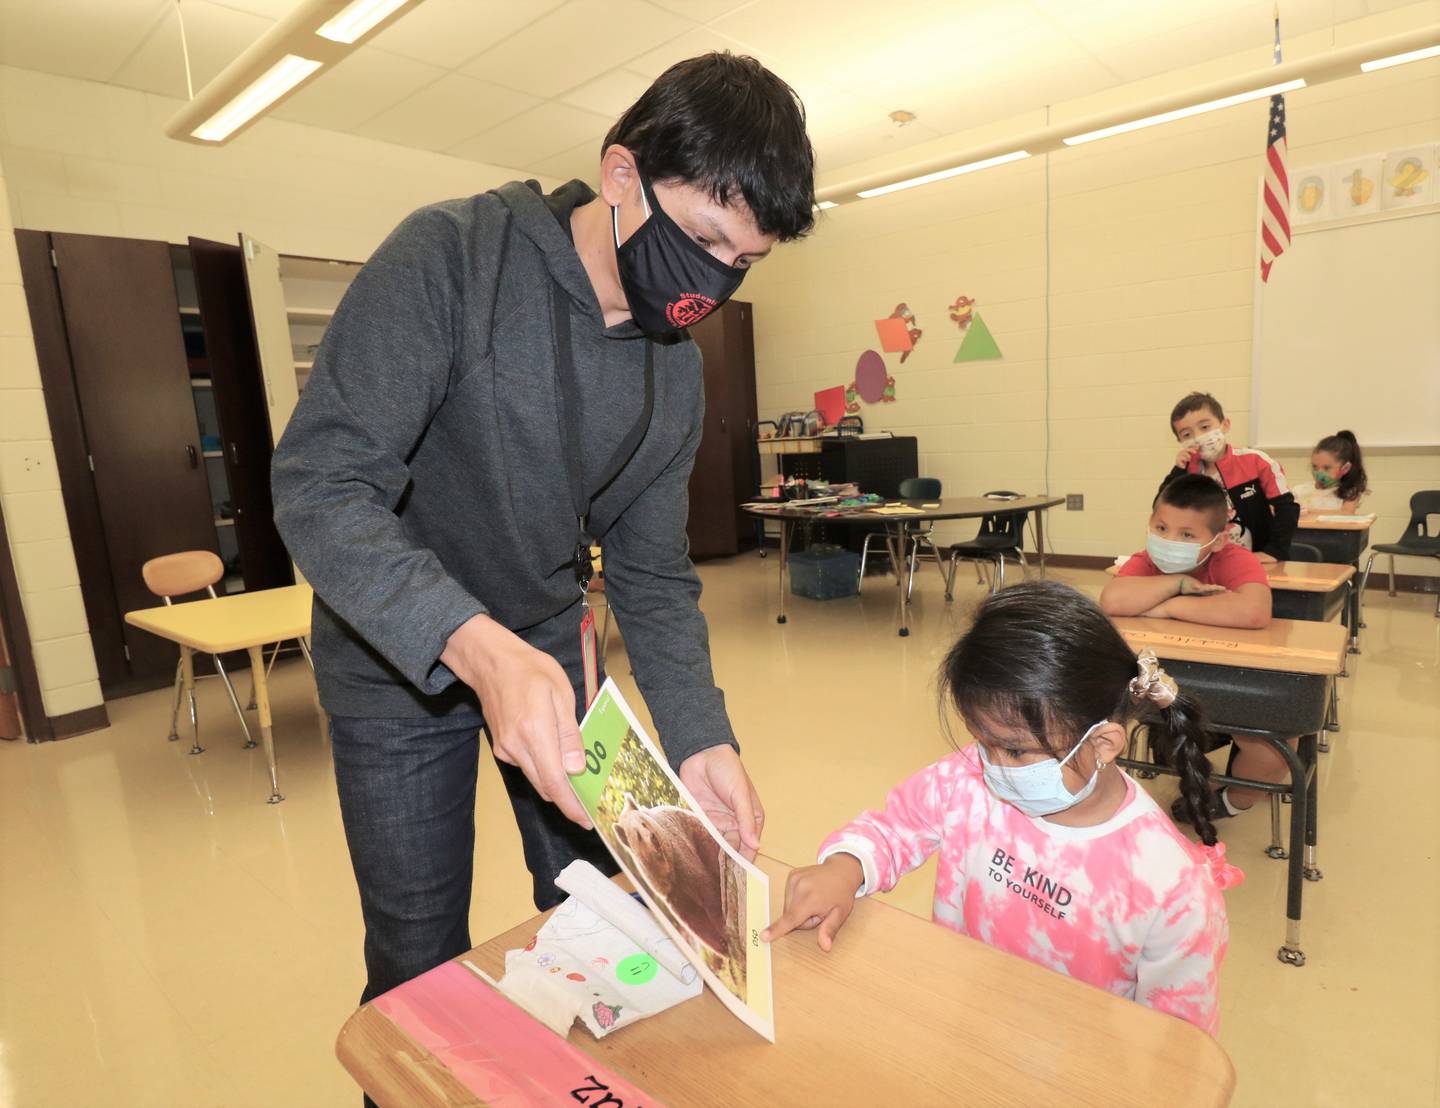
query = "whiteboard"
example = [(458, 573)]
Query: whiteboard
[(1347, 335)]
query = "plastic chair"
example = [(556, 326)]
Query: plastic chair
[(181, 574), (1418, 541), (1000, 535), (916, 534), (1304, 552)]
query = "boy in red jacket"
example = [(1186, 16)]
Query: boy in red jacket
[(1263, 513)]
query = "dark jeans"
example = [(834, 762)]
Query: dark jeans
[(407, 798)]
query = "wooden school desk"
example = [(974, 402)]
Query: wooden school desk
[(1271, 684), (902, 1012), (246, 621), (1303, 590), (921, 511), (1340, 538)]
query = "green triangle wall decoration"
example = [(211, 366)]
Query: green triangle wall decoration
[(978, 344)]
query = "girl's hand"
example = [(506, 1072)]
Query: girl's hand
[(820, 896)]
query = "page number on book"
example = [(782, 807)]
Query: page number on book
[(606, 1100)]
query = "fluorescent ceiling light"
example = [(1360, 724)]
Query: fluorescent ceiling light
[(1400, 59), (356, 18), (969, 167), (1182, 113), (274, 83), (824, 204)]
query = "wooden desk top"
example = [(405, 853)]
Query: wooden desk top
[(955, 507), (1297, 576), (231, 622), (792, 445), (902, 1012), (1323, 521), (1287, 645)]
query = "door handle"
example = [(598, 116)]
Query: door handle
[(193, 456), (722, 423), (234, 453)]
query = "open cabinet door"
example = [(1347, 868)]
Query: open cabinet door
[(240, 402), (272, 332)]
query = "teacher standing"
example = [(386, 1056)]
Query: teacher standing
[(508, 380)]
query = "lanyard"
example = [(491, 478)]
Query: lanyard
[(567, 397)]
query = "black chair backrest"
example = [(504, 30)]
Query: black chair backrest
[(1304, 552), (920, 488), (1423, 505), (1002, 492), (1011, 525)]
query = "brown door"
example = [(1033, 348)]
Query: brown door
[(716, 488), (123, 324), (72, 458), (240, 405)]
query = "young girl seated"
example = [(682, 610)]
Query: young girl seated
[(1338, 476), (1047, 850)]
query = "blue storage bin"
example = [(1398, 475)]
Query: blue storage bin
[(824, 572)]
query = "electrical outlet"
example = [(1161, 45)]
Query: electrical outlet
[(1075, 502)]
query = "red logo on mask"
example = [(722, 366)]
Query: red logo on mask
[(690, 309)]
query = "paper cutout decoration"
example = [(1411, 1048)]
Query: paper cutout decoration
[(852, 399), (870, 377), (1409, 178), (978, 344), (898, 333), (830, 403), (962, 311), (1355, 187)]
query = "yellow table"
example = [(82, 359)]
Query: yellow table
[(246, 622), (902, 1012)]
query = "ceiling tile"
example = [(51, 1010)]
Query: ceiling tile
[(445, 113), (451, 32), (575, 44), (270, 9), (689, 45), (861, 144), (77, 38), (535, 135), (610, 94), (701, 11), (581, 161), (216, 37), (360, 87)]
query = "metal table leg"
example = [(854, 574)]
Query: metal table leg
[(1040, 537), (904, 573), (785, 526), (1312, 813), (1301, 792), (262, 701), (179, 694), (187, 670)]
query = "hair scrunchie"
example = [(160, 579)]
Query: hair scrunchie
[(1152, 682)]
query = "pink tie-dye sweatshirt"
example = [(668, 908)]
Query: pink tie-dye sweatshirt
[(1128, 905)]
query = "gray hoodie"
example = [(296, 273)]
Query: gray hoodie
[(422, 478)]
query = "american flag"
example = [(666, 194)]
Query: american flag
[(1275, 218)]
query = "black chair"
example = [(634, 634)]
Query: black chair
[(916, 534), (1418, 541), (1304, 552), (1000, 535)]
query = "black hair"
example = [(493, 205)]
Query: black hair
[(728, 125), (1044, 658), (1346, 448), (1198, 493), (1193, 402)]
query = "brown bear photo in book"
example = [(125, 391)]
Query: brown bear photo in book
[(692, 878)]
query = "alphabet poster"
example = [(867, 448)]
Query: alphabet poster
[(710, 900)]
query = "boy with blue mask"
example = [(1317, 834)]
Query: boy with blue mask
[(1191, 570)]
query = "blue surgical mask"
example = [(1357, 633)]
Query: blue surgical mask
[(1039, 788), (1172, 556)]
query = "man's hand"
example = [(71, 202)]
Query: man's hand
[(820, 896), (1266, 559), (1186, 456), (529, 707), (721, 787)]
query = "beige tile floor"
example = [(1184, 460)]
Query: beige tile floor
[(168, 939)]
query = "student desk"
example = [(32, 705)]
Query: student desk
[(902, 1012), (1340, 538), (1270, 684), (1302, 590), (246, 621), (922, 511)]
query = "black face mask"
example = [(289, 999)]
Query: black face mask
[(671, 282)]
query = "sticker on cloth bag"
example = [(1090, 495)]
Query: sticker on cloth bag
[(588, 657)]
